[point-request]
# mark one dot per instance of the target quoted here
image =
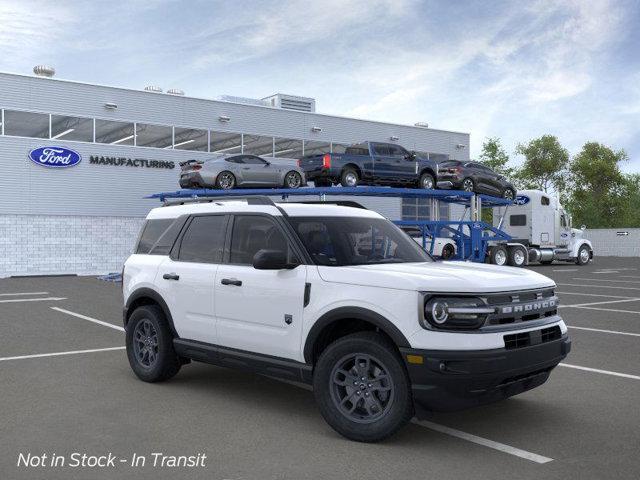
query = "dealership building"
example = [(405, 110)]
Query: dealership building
[(84, 218)]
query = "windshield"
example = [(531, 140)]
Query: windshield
[(342, 241)]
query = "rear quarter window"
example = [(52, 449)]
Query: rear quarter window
[(151, 233)]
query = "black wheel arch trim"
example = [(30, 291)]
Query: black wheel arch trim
[(352, 313), (145, 292)]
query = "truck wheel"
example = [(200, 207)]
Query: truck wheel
[(499, 255), (150, 345), (362, 387), (448, 251), (583, 255), (349, 178), (517, 256), (427, 181)]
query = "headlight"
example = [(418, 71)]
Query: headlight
[(455, 312)]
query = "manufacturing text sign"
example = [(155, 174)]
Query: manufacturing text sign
[(55, 157)]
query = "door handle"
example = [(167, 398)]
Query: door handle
[(246, 168), (231, 281), (171, 276)]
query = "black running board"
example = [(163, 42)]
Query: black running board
[(248, 361)]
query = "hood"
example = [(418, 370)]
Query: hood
[(458, 277)]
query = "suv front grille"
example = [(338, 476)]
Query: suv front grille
[(522, 306), (526, 339)]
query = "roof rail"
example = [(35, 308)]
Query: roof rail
[(340, 203), (250, 199)]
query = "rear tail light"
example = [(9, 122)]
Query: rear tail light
[(299, 163), (326, 160)]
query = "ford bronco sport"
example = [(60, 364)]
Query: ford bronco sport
[(340, 298)]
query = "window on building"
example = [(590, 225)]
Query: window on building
[(204, 240), (72, 128), (287, 148), (191, 139), (517, 220), (225, 142), (158, 136), (252, 233), (338, 147), (114, 133), (26, 124), (258, 145), (316, 148)]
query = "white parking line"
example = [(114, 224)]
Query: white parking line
[(534, 457), (599, 330), (596, 286), (597, 370), (592, 303), (609, 310), (43, 299), (565, 269), (592, 294), (57, 354), (23, 293), (89, 319)]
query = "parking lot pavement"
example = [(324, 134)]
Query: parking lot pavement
[(581, 424)]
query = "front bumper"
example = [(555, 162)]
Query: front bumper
[(448, 182), (449, 380)]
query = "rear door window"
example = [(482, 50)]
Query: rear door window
[(203, 241)]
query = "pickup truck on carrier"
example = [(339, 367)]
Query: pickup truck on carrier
[(337, 297), (371, 163)]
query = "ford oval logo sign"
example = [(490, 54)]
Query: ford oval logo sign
[(55, 157), (521, 200)]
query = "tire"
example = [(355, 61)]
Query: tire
[(448, 251), (517, 257), (377, 412), (148, 367), (292, 180), (499, 255), (508, 194), (322, 182), (468, 185), (427, 182), (225, 180), (349, 177), (584, 255)]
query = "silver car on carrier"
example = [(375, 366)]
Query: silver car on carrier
[(240, 170)]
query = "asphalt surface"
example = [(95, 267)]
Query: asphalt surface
[(580, 424)]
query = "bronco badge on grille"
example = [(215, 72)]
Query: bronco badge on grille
[(528, 307)]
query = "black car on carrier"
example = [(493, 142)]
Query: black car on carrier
[(474, 177)]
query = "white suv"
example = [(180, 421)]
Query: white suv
[(340, 298)]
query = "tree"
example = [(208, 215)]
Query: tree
[(495, 157), (600, 193), (545, 164)]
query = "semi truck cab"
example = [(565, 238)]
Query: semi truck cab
[(538, 221)]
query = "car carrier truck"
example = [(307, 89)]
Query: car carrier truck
[(537, 222)]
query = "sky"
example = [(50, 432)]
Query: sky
[(514, 70)]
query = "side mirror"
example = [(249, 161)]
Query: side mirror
[(583, 227), (271, 260), (410, 156)]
